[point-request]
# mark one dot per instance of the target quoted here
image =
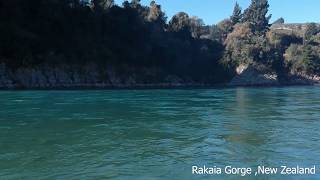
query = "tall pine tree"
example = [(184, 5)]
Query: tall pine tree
[(236, 16), (256, 15)]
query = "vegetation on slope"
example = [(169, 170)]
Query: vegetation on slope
[(133, 35)]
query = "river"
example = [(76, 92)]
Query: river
[(156, 134)]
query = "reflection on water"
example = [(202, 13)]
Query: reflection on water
[(151, 134)]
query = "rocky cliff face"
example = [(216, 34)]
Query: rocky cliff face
[(248, 75), (302, 79), (49, 77), (89, 76), (93, 76)]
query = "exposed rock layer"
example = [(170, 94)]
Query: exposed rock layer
[(248, 75), (89, 76), (92, 76)]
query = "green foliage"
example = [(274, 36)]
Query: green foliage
[(236, 15), (196, 27), (179, 22), (220, 31), (155, 14), (311, 30), (184, 25), (244, 47), (71, 32), (256, 15), (303, 59), (282, 40)]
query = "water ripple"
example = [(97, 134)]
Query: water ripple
[(155, 133)]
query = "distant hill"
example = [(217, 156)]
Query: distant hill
[(291, 28)]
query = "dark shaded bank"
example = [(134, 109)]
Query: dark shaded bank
[(67, 44), (92, 76)]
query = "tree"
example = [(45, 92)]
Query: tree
[(135, 3), (303, 59), (99, 5), (243, 46), (220, 31), (256, 15), (236, 15), (155, 13), (196, 25), (238, 45), (282, 41), (179, 22), (311, 30)]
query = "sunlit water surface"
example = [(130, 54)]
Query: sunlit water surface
[(156, 134)]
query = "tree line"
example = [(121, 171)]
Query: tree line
[(134, 35)]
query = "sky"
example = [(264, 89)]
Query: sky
[(213, 11)]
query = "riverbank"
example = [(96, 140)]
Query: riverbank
[(91, 76), (250, 75), (151, 86)]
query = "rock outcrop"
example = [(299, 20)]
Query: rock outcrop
[(248, 75), (302, 79)]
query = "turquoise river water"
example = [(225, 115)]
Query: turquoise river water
[(157, 134)]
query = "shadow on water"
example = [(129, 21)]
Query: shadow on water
[(250, 117)]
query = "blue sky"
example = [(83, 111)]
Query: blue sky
[(213, 11)]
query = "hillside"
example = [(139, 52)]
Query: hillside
[(72, 44), (291, 28)]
